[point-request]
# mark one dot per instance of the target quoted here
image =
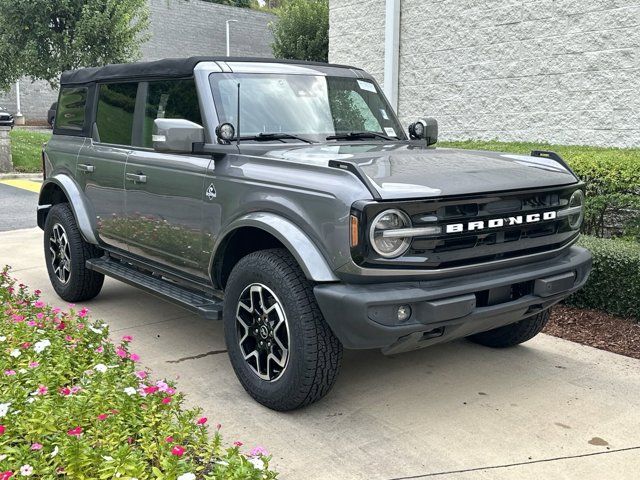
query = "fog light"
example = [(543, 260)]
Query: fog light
[(404, 312)]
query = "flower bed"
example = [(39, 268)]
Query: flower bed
[(75, 404)]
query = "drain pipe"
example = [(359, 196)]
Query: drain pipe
[(392, 51)]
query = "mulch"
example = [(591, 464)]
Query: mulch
[(596, 329)]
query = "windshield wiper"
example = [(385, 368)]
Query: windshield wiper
[(359, 135), (264, 137)]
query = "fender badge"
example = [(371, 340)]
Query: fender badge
[(211, 192)]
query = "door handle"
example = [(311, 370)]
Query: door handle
[(83, 167), (136, 177)]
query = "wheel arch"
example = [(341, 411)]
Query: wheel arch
[(61, 188), (259, 231)]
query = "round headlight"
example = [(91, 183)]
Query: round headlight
[(576, 202), (389, 246)]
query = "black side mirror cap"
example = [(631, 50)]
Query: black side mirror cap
[(425, 129)]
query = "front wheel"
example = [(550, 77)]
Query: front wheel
[(513, 334), (280, 347)]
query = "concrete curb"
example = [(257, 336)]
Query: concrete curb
[(23, 176)]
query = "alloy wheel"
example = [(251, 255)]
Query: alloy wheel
[(263, 332), (60, 253)]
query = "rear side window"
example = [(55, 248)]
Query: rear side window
[(114, 118), (70, 114), (169, 99)]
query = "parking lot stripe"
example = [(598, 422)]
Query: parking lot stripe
[(31, 185)]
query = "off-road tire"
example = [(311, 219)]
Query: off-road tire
[(315, 353), (513, 334), (83, 284)]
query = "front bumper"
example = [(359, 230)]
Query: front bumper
[(365, 316)]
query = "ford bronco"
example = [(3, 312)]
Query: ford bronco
[(287, 199)]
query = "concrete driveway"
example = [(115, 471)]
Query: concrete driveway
[(548, 409)]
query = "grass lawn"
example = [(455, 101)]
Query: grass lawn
[(26, 147), (568, 152)]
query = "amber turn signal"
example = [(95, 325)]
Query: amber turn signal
[(354, 231)]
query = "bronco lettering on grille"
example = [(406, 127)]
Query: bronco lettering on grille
[(501, 222)]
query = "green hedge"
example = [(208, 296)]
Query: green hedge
[(614, 285), (612, 176)]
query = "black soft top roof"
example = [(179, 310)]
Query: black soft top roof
[(169, 67)]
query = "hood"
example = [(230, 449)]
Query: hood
[(406, 171)]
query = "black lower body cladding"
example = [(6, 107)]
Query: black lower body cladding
[(367, 316)]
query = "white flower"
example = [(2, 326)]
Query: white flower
[(256, 462), (101, 367), (4, 409), (94, 329), (15, 353), (41, 345), (26, 470), (187, 476), (55, 452), (3, 338), (130, 391), (3, 457), (31, 399)]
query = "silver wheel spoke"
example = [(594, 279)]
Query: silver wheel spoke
[(60, 251)]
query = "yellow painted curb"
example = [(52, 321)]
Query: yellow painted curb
[(31, 185)]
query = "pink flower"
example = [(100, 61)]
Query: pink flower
[(37, 292), (75, 432), (32, 323), (26, 344), (121, 353), (83, 313), (150, 390), (166, 400), (56, 310), (65, 391), (201, 421), (36, 446), (39, 315), (100, 349), (134, 357), (170, 391), (169, 439), (127, 338), (103, 416), (258, 452), (69, 338), (42, 390), (237, 444), (141, 374), (162, 386), (80, 326), (17, 318), (178, 451), (39, 304), (34, 364), (2, 429), (75, 389), (9, 372), (6, 475)]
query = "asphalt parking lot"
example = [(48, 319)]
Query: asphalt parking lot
[(547, 409)]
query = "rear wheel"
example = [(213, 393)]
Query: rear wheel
[(513, 334), (280, 347), (66, 253)]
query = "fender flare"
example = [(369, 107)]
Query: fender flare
[(77, 201), (309, 257)]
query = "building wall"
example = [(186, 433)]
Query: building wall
[(178, 28), (561, 71)]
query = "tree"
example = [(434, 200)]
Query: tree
[(42, 38), (302, 30)]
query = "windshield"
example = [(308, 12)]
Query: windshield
[(309, 106)]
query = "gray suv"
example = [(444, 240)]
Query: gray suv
[(287, 199)]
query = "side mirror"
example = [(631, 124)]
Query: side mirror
[(176, 135), (426, 129)]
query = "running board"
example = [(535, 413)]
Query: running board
[(210, 308)]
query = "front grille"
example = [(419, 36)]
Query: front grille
[(481, 245)]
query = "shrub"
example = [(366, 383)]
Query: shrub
[(612, 176), (614, 284), (74, 405)]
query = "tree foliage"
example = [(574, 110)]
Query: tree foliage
[(42, 38), (233, 3), (302, 30)]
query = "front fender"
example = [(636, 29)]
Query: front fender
[(306, 253), (77, 201)]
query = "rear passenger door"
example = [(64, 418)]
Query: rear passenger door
[(165, 191), (101, 163)]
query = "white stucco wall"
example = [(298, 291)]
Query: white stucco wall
[(560, 71)]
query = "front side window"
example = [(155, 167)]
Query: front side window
[(169, 99), (114, 119), (313, 106), (70, 114)]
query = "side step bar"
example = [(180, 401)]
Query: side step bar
[(210, 308)]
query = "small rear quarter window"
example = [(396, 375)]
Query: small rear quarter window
[(70, 114)]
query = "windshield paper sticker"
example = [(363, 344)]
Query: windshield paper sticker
[(390, 132), (368, 86)]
